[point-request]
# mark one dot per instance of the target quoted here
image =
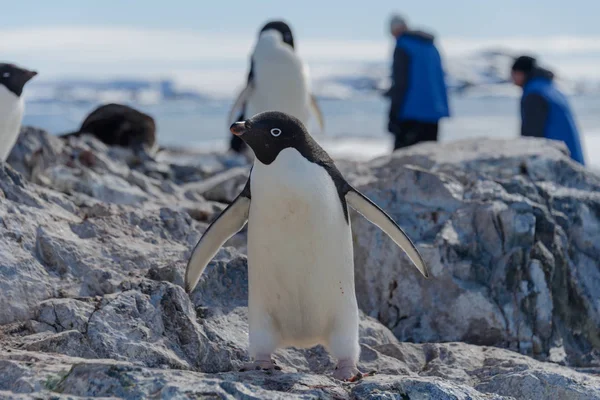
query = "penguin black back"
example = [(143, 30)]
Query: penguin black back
[(119, 125)]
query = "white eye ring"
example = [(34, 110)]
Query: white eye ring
[(6, 74), (275, 132)]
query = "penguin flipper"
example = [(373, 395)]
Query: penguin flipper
[(231, 221), (380, 218), (239, 103), (314, 106)]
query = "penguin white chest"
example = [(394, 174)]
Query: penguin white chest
[(301, 271), (11, 113)]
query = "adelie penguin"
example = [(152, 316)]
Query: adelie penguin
[(12, 106), (121, 125), (278, 81), (300, 254)]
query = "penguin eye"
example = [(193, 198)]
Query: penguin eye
[(6, 74), (275, 132)]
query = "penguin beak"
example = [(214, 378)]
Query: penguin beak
[(31, 74), (27, 75), (238, 128)]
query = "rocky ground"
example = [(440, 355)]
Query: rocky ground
[(94, 244)]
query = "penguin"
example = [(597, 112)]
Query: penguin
[(300, 252), (121, 125), (278, 80), (12, 106)]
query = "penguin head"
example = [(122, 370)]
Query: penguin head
[(270, 38), (281, 27), (14, 78), (270, 132)]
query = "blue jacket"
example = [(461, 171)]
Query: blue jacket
[(555, 118), (419, 90)]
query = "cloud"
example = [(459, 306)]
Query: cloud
[(108, 44), (122, 50), (551, 45)]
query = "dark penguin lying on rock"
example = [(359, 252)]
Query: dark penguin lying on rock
[(121, 125)]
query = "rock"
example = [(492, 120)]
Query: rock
[(223, 187), (49, 245), (506, 230), (65, 314), (448, 371), (84, 167), (174, 273), (205, 211), (35, 150), (189, 166), (154, 323), (151, 337), (93, 304)]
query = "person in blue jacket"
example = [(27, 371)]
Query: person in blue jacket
[(418, 93), (545, 111)]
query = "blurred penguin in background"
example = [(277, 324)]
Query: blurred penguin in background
[(121, 125), (418, 95), (278, 81), (545, 111), (12, 106)]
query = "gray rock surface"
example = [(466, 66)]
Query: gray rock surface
[(511, 232), (93, 306), (223, 187), (85, 168), (413, 371)]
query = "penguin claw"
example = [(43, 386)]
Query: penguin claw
[(356, 377), (346, 373), (349, 373)]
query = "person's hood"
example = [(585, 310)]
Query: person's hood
[(539, 72), (421, 35)]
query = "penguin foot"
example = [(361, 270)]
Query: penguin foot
[(265, 365), (346, 371)]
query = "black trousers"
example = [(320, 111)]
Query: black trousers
[(410, 132)]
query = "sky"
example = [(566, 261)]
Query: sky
[(182, 37), (348, 19)]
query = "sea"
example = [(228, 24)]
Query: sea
[(355, 127)]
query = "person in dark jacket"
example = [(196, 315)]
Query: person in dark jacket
[(418, 94), (545, 111), (236, 144)]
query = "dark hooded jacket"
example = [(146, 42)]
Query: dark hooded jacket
[(418, 89), (545, 112)]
